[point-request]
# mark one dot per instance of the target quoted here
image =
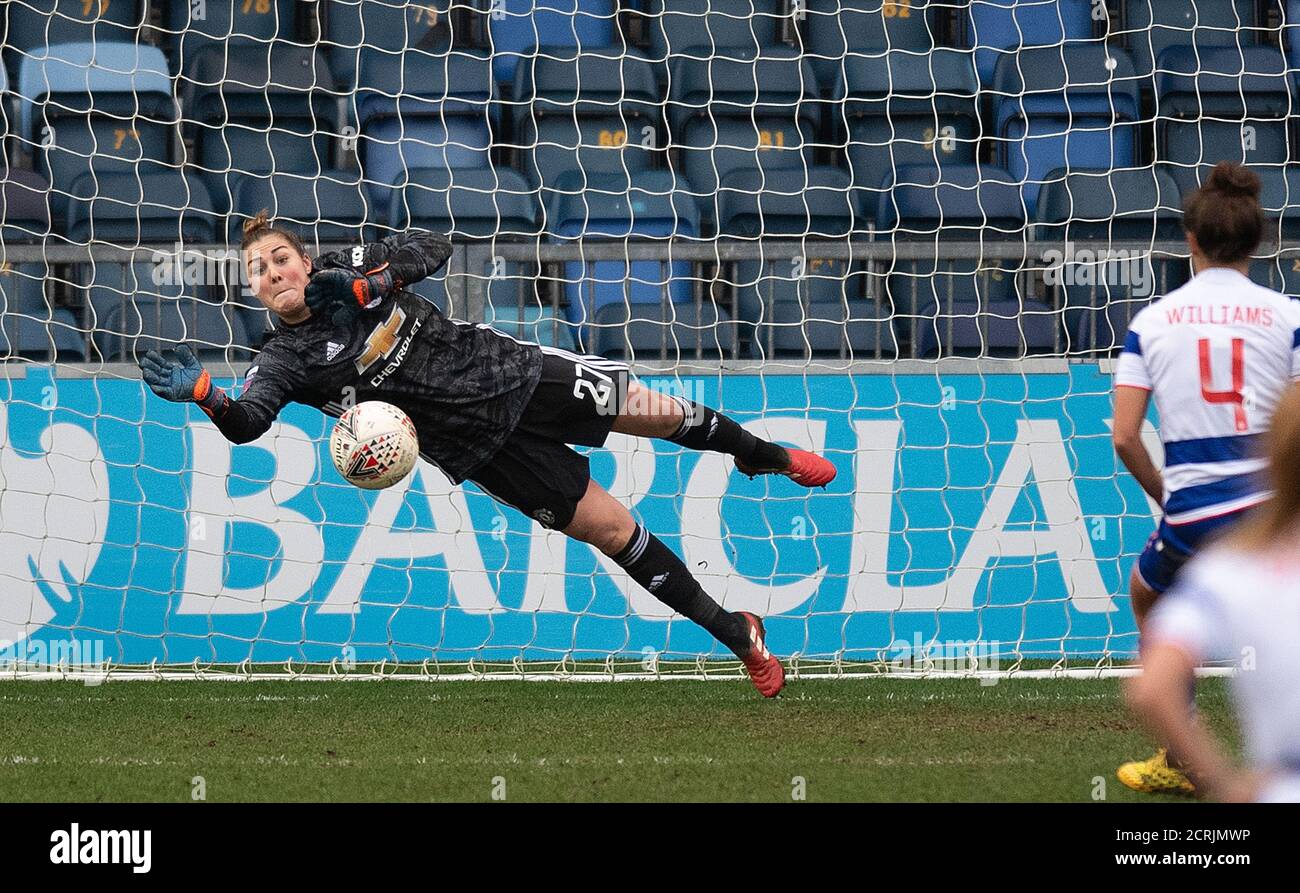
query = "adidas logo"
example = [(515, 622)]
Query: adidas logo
[(713, 427), (332, 350), (656, 581)]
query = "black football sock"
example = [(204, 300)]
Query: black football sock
[(665, 576), (707, 429)]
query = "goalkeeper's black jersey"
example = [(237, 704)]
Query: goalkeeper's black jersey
[(463, 385)]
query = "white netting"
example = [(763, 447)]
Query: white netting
[(907, 234)]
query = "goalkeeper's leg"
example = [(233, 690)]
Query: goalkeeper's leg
[(649, 413), (605, 523)]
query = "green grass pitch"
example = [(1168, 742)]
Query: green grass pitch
[(870, 739)]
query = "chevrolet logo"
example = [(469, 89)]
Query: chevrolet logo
[(382, 340)]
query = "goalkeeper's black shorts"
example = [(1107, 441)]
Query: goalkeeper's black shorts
[(575, 402)]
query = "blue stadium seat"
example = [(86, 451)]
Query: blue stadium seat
[(730, 114), (525, 25), (848, 28), (1084, 215), (591, 114), (653, 206), (903, 109), (794, 303), (1221, 104), (667, 331), (193, 27), (1280, 198), (30, 327), (96, 107), (999, 29), (353, 28), (259, 108), (24, 208), (1153, 26), (468, 203), (1075, 105), (331, 207), (31, 26), (421, 110), (713, 29), (476, 205), (963, 306)]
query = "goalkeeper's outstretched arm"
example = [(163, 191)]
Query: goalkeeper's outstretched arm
[(268, 386)]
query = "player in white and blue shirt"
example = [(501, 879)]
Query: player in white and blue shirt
[(1217, 355)]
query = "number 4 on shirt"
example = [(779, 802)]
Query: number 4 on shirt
[(1234, 396)]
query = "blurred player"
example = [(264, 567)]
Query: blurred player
[(487, 407), (1217, 355), (1238, 600)]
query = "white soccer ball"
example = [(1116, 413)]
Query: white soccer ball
[(374, 445)]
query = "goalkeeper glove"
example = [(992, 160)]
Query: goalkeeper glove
[(183, 380), (343, 293)]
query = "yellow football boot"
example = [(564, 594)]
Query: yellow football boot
[(1155, 776)]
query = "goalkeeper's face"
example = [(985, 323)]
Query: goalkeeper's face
[(278, 274)]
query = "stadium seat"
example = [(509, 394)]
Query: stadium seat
[(798, 304), (730, 114), (30, 327), (902, 109), (102, 107), (851, 28), (1085, 215), (654, 205), (961, 305), (666, 331), (258, 108), (237, 25), (24, 208), (1000, 29), (1152, 26), (479, 206), (419, 110), (1221, 104), (593, 115), (579, 26), (31, 26), (353, 28), (1280, 198), (713, 29), (1063, 107)]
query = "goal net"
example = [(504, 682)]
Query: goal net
[(907, 235)]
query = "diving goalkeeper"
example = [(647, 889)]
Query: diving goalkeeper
[(488, 408)]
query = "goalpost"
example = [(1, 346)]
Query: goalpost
[(942, 331)]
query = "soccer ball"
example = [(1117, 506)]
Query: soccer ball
[(374, 445)]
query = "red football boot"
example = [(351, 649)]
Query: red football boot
[(803, 467), (765, 671)]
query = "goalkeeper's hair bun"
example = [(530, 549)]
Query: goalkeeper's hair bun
[(259, 227), (1224, 214)]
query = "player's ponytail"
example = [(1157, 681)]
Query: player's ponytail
[(1224, 214), (259, 227), (1279, 518)]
